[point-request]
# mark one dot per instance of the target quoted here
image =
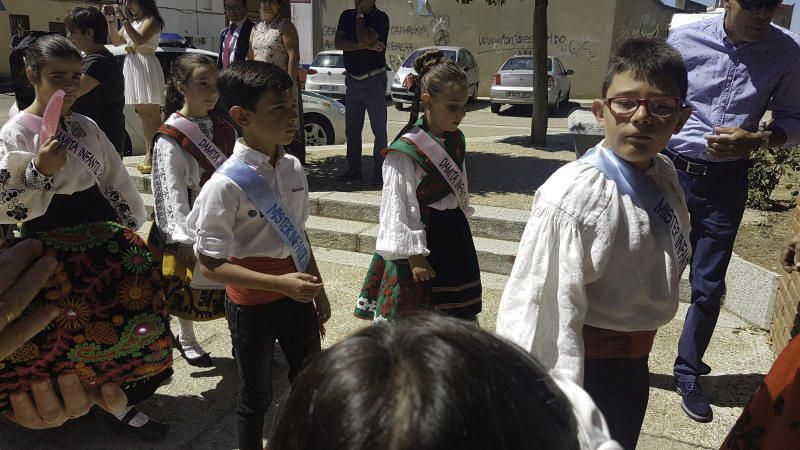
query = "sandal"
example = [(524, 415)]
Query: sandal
[(145, 168), (202, 361)]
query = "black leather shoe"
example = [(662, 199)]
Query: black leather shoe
[(153, 430), (203, 361), (349, 175)]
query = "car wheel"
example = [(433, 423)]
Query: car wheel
[(318, 130), (495, 108), (398, 106), (474, 97)]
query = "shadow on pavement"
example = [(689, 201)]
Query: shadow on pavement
[(556, 142), (728, 391), (564, 110), (488, 172)]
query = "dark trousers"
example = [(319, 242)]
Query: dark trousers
[(254, 330), (620, 389), (366, 96), (716, 205)]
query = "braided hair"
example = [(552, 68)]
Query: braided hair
[(434, 71)]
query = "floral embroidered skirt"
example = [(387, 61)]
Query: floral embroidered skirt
[(389, 289), (185, 302), (772, 418)]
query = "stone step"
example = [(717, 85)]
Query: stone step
[(494, 255), (488, 221)]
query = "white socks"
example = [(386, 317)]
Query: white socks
[(188, 341), (138, 420)]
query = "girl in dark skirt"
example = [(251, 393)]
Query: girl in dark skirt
[(424, 256)]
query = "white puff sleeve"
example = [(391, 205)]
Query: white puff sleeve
[(401, 232)]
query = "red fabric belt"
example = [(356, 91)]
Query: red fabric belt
[(271, 266), (600, 343)]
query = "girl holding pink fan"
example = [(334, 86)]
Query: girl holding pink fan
[(70, 178)]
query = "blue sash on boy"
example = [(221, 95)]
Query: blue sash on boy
[(270, 206), (646, 194)]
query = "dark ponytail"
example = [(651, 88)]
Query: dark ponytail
[(149, 9), (434, 71), (180, 72)]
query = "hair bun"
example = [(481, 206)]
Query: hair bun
[(428, 59)]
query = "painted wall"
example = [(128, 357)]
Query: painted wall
[(581, 33), (40, 14), (200, 20)]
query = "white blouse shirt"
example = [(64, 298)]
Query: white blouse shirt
[(589, 256), (401, 232), (176, 184), (25, 193), (224, 223)]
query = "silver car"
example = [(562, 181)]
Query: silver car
[(513, 83), (459, 55)]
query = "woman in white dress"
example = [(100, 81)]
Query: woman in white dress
[(144, 78)]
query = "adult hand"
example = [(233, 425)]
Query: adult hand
[(51, 158), (365, 6), (46, 410), (790, 257), (299, 286), (733, 143), (23, 272), (420, 268), (323, 306), (376, 46)]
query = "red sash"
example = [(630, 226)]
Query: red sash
[(271, 266)]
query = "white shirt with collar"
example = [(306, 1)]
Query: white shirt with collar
[(225, 224), (589, 255)]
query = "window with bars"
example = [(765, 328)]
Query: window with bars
[(16, 20)]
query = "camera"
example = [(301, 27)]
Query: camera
[(108, 10)]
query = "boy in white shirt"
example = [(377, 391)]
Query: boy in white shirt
[(248, 225), (599, 264)]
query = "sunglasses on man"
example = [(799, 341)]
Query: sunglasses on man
[(758, 6)]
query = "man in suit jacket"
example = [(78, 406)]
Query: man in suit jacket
[(234, 41)]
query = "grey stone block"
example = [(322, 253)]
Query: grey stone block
[(751, 292)]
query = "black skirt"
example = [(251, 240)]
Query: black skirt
[(456, 290), (72, 210)]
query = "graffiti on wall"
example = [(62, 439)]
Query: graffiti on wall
[(581, 49)]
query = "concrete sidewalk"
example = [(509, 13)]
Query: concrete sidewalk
[(504, 173), (199, 403)]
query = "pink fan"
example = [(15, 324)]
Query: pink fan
[(51, 116)]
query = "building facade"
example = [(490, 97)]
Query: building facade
[(581, 33)]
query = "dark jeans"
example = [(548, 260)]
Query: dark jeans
[(716, 205), (365, 96), (620, 389), (253, 331)]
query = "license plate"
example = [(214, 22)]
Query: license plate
[(329, 87), (518, 94)]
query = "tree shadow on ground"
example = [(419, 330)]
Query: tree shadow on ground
[(564, 110), (556, 142), (729, 390), (488, 172)]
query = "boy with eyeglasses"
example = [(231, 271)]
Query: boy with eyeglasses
[(600, 261), (740, 65)]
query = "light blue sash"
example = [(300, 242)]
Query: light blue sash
[(646, 194), (270, 206)]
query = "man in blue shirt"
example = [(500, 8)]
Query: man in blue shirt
[(362, 34), (740, 65)]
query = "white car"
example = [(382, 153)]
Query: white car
[(326, 75), (513, 83), (323, 116), (459, 55)]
